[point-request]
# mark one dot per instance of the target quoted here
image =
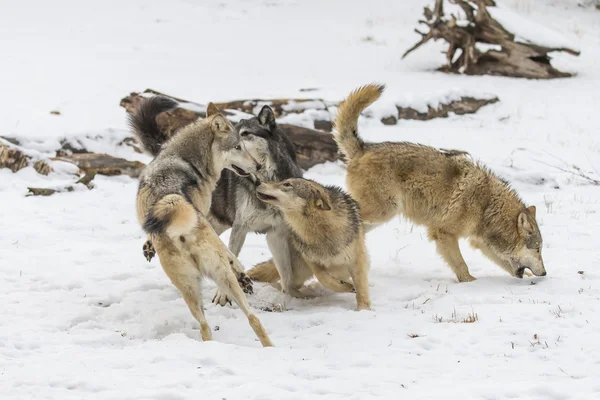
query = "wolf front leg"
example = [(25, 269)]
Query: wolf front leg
[(447, 247), (278, 242), (330, 282), (237, 239), (359, 271)]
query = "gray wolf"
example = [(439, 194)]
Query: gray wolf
[(174, 198), (234, 203), (326, 229), (446, 192)]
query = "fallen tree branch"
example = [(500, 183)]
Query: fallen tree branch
[(477, 36)]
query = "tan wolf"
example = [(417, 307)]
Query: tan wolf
[(327, 232), (446, 192), (174, 198)]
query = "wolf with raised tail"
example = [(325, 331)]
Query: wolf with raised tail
[(234, 203), (448, 193), (173, 202)]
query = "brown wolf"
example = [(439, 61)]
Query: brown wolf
[(174, 198), (446, 192), (327, 232)]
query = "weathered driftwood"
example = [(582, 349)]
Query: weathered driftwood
[(15, 159), (515, 59), (86, 180), (103, 164), (32, 191), (284, 107), (464, 105), (313, 146)]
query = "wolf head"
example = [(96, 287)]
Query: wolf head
[(227, 140), (525, 249), (268, 144), (529, 253), (295, 195)]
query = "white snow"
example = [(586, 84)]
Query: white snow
[(84, 316), (527, 30)]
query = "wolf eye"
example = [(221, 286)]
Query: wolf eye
[(244, 134), (238, 147), (287, 185)]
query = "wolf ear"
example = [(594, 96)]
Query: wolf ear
[(266, 118), (531, 210), (322, 203), (218, 124), (211, 110), (524, 224)]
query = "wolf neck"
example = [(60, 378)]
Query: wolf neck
[(501, 213), (198, 151), (319, 233)]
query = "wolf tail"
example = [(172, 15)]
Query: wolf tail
[(264, 272), (143, 122), (346, 122), (172, 215)]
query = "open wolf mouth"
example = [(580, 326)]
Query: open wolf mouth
[(265, 197), (239, 171)]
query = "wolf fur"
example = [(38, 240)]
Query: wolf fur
[(326, 229), (234, 203), (174, 198), (449, 194)]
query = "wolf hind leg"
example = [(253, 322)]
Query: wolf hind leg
[(447, 247), (227, 282), (186, 278)]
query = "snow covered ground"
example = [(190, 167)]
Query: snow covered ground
[(84, 316)]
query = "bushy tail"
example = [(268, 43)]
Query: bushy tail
[(346, 123), (172, 215), (143, 122), (264, 272)]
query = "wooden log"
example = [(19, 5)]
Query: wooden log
[(15, 159), (104, 164), (313, 146)]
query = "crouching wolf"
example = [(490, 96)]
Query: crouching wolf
[(326, 229), (174, 198), (234, 203), (447, 193)]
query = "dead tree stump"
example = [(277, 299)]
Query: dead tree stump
[(498, 53)]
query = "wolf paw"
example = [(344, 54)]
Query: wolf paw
[(221, 299), (466, 278), (245, 283), (149, 251), (348, 286)]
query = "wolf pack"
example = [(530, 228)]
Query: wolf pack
[(211, 175)]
